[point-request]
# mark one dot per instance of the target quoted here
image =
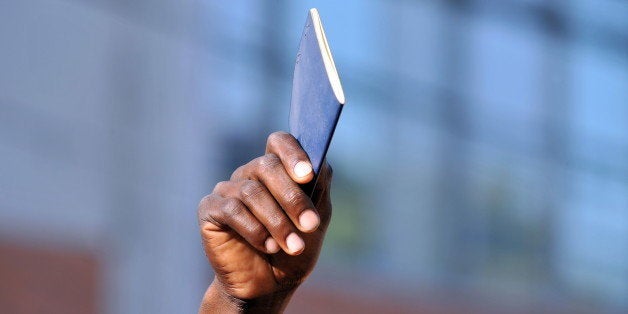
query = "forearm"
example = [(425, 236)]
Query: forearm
[(217, 300)]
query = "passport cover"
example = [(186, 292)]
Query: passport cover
[(317, 96)]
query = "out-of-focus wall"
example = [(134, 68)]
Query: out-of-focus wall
[(479, 162), (103, 146)]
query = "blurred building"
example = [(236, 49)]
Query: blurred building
[(479, 162), (103, 156)]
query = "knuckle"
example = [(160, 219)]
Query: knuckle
[(251, 189), (277, 137), (293, 197), (278, 222), (232, 207), (258, 232), (268, 163), (207, 209), (203, 204), (204, 201), (239, 172), (221, 186)]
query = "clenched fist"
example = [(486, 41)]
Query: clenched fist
[(261, 233)]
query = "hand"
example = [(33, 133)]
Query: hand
[(261, 233)]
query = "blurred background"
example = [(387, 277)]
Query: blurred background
[(480, 162)]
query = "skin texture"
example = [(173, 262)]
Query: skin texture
[(261, 233)]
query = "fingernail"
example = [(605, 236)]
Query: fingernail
[(302, 169), (309, 220), (295, 243), (271, 245)]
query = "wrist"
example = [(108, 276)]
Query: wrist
[(218, 300)]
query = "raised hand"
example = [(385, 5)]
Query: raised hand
[(261, 233)]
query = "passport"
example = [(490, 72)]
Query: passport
[(317, 95)]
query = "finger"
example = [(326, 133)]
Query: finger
[(263, 206), (292, 156), (230, 213), (269, 170), (260, 202)]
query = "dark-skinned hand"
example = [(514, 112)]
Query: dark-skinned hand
[(261, 233)]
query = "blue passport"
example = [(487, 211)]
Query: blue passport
[(317, 96)]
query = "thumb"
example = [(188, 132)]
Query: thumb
[(321, 196)]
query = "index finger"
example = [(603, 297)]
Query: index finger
[(292, 156)]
